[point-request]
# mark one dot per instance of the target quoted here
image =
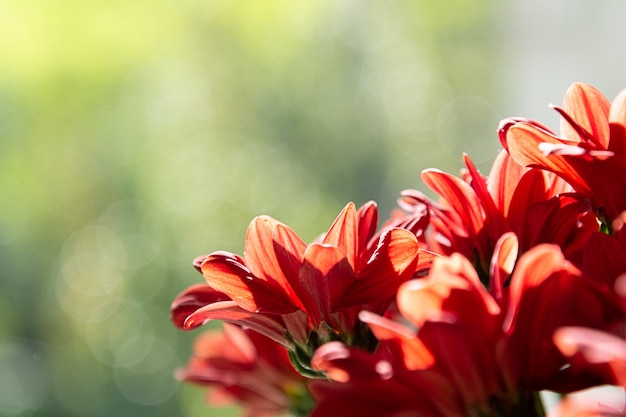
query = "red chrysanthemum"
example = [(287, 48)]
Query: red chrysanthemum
[(303, 295)]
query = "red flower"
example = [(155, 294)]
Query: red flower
[(590, 153), (304, 295), (474, 211), (472, 350), (243, 367)]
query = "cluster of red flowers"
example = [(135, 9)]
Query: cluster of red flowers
[(471, 305)]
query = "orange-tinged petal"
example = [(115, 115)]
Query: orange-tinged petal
[(524, 147), (226, 273), (595, 174), (400, 340), (343, 233), (617, 124), (590, 110), (453, 293)]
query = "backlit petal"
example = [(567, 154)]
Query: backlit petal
[(393, 262), (226, 273), (260, 257), (590, 110), (343, 233), (269, 325), (324, 276)]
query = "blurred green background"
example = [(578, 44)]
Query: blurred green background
[(135, 135)]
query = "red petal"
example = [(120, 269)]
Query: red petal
[(602, 180), (343, 233), (232, 344), (324, 276), (472, 368), (191, 299), (226, 273), (604, 259), (533, 268), (341, 363), (524, 147), (452, 292), (289, 250), (595, 351), (459, 195), (546, 293), (502, 263), (401, 341), (261, 258), (368, 221), (494, 218), (503, 179), (590, 110), (393, 262), (269, 325)]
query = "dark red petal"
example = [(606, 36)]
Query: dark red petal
[(342, 364), (546, 293), (402, 342), (367, 216), (471, 369), (531, 188), (595, 351), (604, 259), (533, 268)]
